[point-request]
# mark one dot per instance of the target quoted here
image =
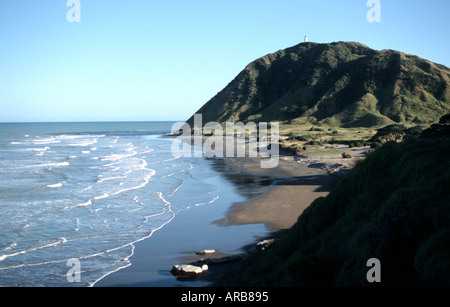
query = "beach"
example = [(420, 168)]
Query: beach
[(274, 198)]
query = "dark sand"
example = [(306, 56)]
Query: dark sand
[(295, 187), (190, 231), (267, 201)]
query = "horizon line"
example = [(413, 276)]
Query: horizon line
[(89, 121)]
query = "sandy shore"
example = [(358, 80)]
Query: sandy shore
[(298, 181), (295, 186), (280, 195)]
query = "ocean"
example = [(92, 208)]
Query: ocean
[(87, 192)]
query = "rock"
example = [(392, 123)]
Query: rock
[(260, 246), (223, 260), (206, 252), (264, 244), (189, 270)]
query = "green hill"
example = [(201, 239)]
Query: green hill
[(342, 84), (393, 206)]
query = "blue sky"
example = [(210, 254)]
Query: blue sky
[(144, 60)]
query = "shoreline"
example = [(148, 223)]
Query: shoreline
[(279, 197), (294, 187)]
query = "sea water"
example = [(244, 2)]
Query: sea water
[(87, 191)]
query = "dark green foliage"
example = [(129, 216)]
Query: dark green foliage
[(346, 155), (291, 136), (342, 84), (315, 143), (440, 130), (394, 206), (391, 133), (351, 143), (316, 129), (304, 138), (396, 133)]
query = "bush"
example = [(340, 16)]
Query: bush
[(346, 155), (316, 129), (315, 143), (304, 138), (361, 143), (375, 145), (291, 136)]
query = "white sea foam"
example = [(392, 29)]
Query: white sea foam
[(11, 246), (32, 249), (101, 221), (110, 178), (46, 141), (106, 195), (85, 143), (38, 149), (85, 204), (116, 157), (145, 180), (57, 185), (56, 164), (70, 137)]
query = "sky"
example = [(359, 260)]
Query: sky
[(161, 60)]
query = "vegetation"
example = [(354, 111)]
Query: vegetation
[(346, 155), (394, 206), (336, 85), (396, 133)]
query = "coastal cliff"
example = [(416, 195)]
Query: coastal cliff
[(394, 207)]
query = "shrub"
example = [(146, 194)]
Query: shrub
[(304, 138), (315, 143), (291, 136), (316, 129), (391, 133), (346, 155)]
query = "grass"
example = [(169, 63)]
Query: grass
[(310, 139)]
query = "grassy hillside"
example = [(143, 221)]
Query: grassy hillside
[(341, 84), (394, 206)]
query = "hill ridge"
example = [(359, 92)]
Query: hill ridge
[(343, 84)]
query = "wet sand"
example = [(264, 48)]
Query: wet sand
[(295, 186), (273, 199)]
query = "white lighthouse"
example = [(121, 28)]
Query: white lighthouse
[(306, 39)]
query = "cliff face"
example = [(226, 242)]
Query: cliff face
[(340, 84)]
